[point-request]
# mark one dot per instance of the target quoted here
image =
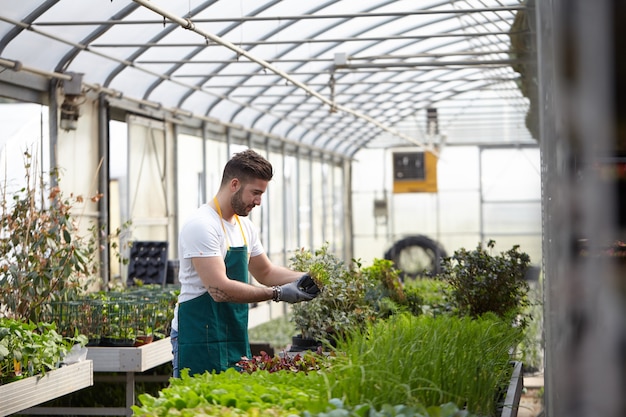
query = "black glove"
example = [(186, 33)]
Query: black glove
[(306, 284), (302, 289)]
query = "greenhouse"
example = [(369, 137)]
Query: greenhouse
[(421, 133)]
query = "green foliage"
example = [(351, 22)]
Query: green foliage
[(28, 349), (350, 297), (404, 365), (300, 362), (125, 318), (143, 311), (425, 360), (265, 393), (485, 283), (44, 257), (231, 393), (427, 296), (323, 266)]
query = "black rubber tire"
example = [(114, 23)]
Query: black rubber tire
[(416, 256)]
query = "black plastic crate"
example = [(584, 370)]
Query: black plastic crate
[(148, 262)]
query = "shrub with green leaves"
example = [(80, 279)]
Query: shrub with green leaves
[(43, 256), (482, 282), (350, 296)]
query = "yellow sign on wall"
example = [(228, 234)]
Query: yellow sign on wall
[(414, 172)]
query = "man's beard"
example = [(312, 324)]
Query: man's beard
[(239, 207)]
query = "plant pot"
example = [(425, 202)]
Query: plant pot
[(143, 340), (257, 348), (301, 344), (117, 342), (94, 341)]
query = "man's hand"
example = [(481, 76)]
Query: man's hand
[(306, 284), (302, 289)]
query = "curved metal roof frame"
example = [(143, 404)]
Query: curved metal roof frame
[(338, 76)]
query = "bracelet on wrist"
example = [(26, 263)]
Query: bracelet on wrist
[(276, 293)]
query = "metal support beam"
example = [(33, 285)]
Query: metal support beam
[(103, 188)]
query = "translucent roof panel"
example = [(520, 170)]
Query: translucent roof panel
[(334, 74)]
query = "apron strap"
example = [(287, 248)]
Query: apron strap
[(219, 211)]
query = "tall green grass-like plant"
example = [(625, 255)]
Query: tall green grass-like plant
[(426, 360)]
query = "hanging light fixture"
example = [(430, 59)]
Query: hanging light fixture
[(70, 108)]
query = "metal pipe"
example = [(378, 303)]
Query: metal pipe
[(296, 17), (285, 209), (53, 128), (311, 205), (465, 63), (297, 196), (103, 186), (18, 66), (308, 60), (311, 40)]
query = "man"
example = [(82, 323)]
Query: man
[(217, 247)]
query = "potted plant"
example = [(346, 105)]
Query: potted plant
[(350, 297), (28, 349)]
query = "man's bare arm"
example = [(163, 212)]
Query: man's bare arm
[(212, 272)]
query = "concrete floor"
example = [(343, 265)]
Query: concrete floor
[(531, 403)]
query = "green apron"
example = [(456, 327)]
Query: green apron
[(214, 336)]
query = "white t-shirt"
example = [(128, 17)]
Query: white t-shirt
[(202, 235)]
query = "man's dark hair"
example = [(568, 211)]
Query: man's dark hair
[(246, 166)]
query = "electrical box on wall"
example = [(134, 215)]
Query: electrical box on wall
[(414, 172)]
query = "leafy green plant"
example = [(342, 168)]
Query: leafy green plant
[(263, 393), (233, 393), (28, 349), (485, 283), (350, 297), (300, 362)]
